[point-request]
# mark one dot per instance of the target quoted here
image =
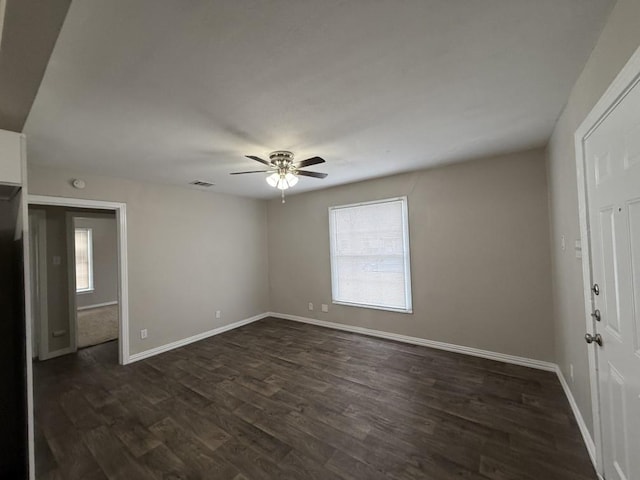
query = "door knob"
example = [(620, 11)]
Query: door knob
[(597, 338), (596, 315)]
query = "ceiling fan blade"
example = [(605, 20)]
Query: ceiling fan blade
[(258, 159), (311, 174), (252, 171), (308, 162)]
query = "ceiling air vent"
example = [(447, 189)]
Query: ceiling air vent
[(200, 183)]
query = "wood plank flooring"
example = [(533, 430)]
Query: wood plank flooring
[(283, 400)]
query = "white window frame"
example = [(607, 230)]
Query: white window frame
[(407, 259), (89, 257)]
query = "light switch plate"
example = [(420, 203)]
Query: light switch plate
[(578, 248), (325, 307), (143, 333)]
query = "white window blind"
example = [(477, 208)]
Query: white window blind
[(370, 255), (84, 260)]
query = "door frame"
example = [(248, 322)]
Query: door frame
[(628, 78), (123, 277), (71, 281)]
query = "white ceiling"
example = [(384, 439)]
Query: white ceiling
[(174, 91)]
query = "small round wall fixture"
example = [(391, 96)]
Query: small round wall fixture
[(79, 184)]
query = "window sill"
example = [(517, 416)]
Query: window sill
[(89, 290), (373, 307)]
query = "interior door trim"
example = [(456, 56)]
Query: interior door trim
[(71, 280), (628, 77), (123, 277)]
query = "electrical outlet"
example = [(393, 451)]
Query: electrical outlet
[(571, 372), (143, 333), (310, 306), (325, 307), (563, 243), (218, 314)]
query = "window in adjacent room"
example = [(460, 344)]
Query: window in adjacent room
[(84, 260), (370, 255)]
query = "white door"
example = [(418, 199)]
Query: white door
[(612, 153)]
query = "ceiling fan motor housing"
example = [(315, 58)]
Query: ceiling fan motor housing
[(282, 159)]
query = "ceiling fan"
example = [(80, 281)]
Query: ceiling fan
[(284, 170)]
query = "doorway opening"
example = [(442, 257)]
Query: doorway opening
[(78, 267), (78, 270), (96, 277)]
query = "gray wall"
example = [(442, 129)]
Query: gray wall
[(105, 259), (57, 277), (190, 253), (619, 39), (480, 258)]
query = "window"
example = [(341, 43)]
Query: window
[(370, 255), (84, 260)]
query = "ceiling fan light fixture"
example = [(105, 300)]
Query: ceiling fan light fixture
[(282, 184), (282, 181), (273, 179), (291, 179)]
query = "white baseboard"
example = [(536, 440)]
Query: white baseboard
[(476, 352), (201, 336), (56, 353), (98, 305), (586, 436)]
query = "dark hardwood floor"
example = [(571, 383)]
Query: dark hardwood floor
[(282, 400)]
